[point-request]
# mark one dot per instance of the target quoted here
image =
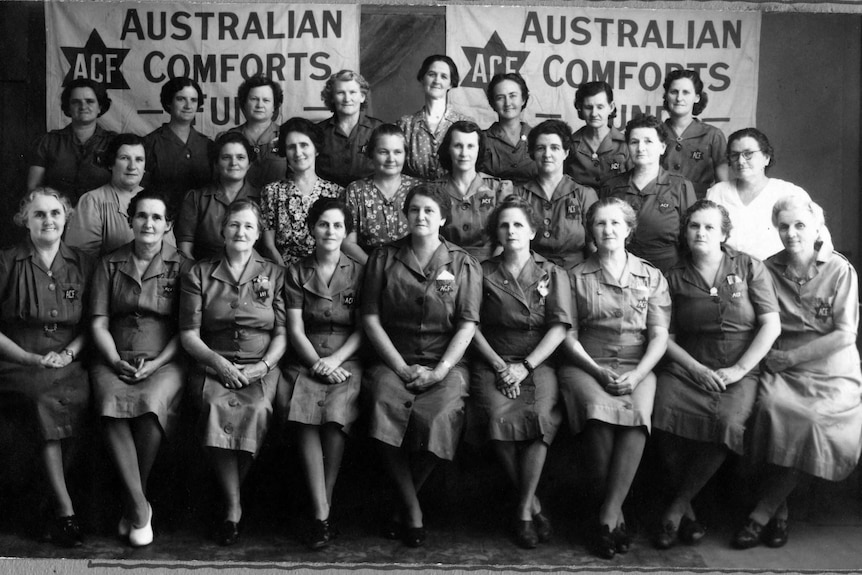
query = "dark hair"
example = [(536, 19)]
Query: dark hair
[(465, 127), (174, 85), (381, 131), (510, 202), (148, 194), (324, 204), (231, 138), (692, 75), (453, 69), (433, 192), (629, 215), (593, 89), (238, 206), (301, 126), (258, 81), (20, 217), (97, 88), (328, 92), (116, 143), (700, 206), (643, 121), (762, 141), (550, 127), (512, 77)]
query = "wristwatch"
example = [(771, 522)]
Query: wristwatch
[(530, 367)]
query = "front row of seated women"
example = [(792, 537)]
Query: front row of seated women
[(547, 345)]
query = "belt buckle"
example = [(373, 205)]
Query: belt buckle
[(50, 327)]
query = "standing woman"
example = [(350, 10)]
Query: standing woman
[(725, 318), (177, 154), (416, 389), (559, 202), (698, 154), (506, 152), (808, 415), (473, 193), (138, 377), (260, 99), (285, 203), (599, 150), (426, 128), (526, 310), (660, 198), (201, 217), (321, 395), (232, 325), (101, 222), (343, 158), (377, 202), (619, 335), (43, 286), (70, 160)]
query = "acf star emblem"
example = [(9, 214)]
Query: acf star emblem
[(96, 62), (494, 58)]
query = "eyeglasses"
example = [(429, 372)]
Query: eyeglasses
[(746, 155)]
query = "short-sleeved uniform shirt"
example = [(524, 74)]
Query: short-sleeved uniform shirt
[(174, 167), (561, 236), (200, 217), (99, 225), (592, 169), (517, 312), (285, 211), (269, 166), (466, 224), (423, 143), (71, 167), (376, 219), (695, 154), (343, 158), (503, 160), (660, 207), (430, 302)]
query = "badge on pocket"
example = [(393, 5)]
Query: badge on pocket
[(445, 282)]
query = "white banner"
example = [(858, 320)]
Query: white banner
[(134, 48), (556, 49)]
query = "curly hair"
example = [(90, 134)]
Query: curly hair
[(328, 92)]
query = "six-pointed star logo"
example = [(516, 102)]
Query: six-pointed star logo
[(494, 58), (96, 62)]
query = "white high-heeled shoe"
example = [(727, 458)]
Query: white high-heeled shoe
[(142, 536)]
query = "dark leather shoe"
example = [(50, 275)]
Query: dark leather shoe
[(318, 535), (749, 535), (414, 536), (775, 533), (66, 532), (622, 539), (543, 526), (604, 545), (525, 534), (691, 531), (666, 537), (228, 533)]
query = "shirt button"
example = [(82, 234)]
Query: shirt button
[(546, 234), (228, 428), (137, 291), (320, 403), (505, 282), (548, 205), (234, 304), (408, 404), (50, 274), (54, 313), (547, 221), (52, 287), (465, 206), (327, 313), (618, 313), (618, 290), (466, 227), (525, 312), (233, 402), (676, 166)]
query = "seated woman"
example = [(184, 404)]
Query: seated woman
[(526, 311), (101, 222), (473, 194), (506, 153), (232, 324), (725, 318), (808, 415), (43, 286), (416, 388), (138, 377), (321, 395), (619, 335)]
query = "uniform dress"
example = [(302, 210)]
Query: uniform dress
[(330, 313), (695, 154), (343, 158), (431, 302), (503, 160), (236, 320), (285, 212), (660, 207), (612, 318), (562, 233), (715, 323), (466, 224), (43, 310), (809, 417), (142, 314), (592, 169), (376, 219), (100, 225), (71, 167), (174, 167), (423, 142), (268, 166), (200, 217), (516, 314)]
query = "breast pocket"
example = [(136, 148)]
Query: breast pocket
[(166, 294), (71, 301)]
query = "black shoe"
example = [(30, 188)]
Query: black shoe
[(749, 535), (666, 538), (604, 545), (622, 539), (543, 526), (691, 531), (525, 534), (318, 535), (775, 533), (414, 536), (66, 532), (228, 533)]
